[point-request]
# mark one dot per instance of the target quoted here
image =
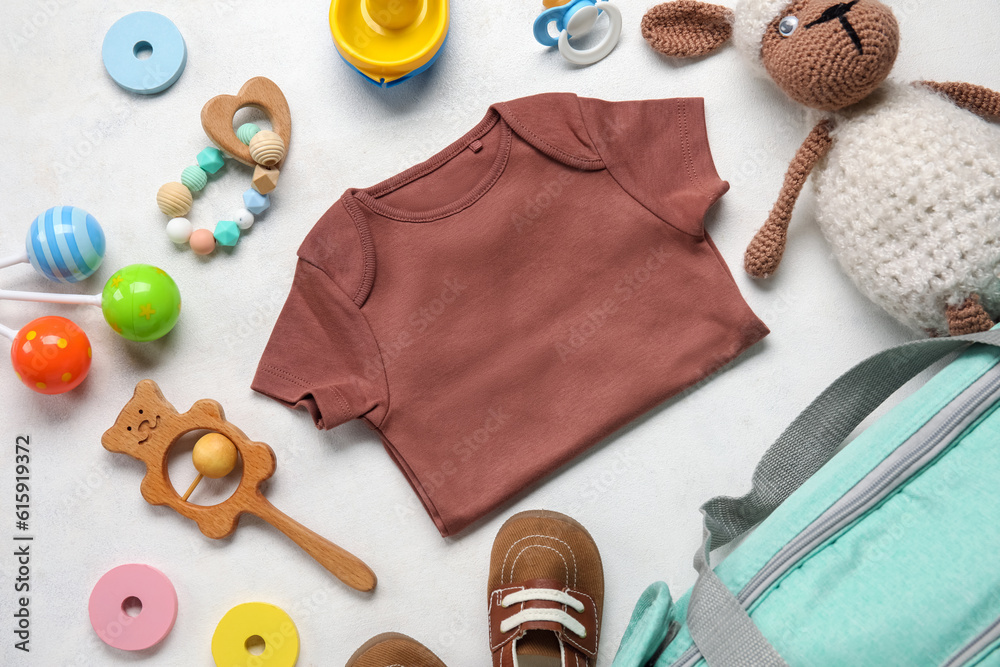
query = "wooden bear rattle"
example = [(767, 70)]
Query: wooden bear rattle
[(149, 426)]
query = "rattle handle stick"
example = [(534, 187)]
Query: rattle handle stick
[(194, 484), (11, 260), (46, 297), (7, 332), (344, 565)]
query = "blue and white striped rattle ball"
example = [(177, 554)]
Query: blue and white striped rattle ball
[(65, 244)]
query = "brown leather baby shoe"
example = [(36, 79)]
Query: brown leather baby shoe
[(393, 650), (546, 593)]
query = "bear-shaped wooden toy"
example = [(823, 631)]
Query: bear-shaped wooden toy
[(149, 426)]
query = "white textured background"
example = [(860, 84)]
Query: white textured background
[(69, 135)]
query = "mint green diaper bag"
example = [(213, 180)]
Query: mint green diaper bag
[(884, 552)]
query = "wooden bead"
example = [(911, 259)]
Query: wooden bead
[(214, 455), (264, 180), (174, 199), (267, 148)]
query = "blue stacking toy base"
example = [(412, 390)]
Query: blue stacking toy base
[(381, 83)]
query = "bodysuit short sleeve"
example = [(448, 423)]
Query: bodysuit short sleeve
[(658, 152), (322, 355)]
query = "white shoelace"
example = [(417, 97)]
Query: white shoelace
[(543, 615)]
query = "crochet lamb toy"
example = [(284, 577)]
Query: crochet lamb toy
[(907, 179)]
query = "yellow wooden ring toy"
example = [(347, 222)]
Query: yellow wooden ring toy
[(251, 624)]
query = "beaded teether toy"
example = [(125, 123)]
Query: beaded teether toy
[(65, 244), (149, 426), (140, 302), (574, 18), (51, 355), (264, 150)]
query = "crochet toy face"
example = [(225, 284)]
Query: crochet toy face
[(829, 55), (824, 54), (909, 233)]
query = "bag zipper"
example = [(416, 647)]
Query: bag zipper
[(975, 648), (908, 459)]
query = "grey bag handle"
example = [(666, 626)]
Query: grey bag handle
[(719, 625)]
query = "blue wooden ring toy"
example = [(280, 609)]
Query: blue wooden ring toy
[(138, 32)]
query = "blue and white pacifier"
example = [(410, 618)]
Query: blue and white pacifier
[(576, 18)]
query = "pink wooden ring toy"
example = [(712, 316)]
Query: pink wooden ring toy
[(156, 618)]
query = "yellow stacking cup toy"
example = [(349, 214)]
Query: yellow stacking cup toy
[(389, 41)]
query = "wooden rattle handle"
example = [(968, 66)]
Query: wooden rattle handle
[(342, 564)]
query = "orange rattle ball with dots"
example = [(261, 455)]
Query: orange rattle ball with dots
[(214, 456), (51, 355)]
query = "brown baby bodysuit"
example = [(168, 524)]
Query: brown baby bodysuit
[(498, 309)]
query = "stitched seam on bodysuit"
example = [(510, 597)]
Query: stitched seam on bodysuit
[(282, 374), (393, 184), (367, 249), (592, 164), (631, 196), (683, 129)]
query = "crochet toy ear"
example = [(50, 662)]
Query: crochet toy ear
[(686, 28)]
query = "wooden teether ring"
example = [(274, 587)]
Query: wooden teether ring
[(259, 93), (149, 426)]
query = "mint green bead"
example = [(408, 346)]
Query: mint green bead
[(194, 178), (227, 232), (246, 131), (211, 159)]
